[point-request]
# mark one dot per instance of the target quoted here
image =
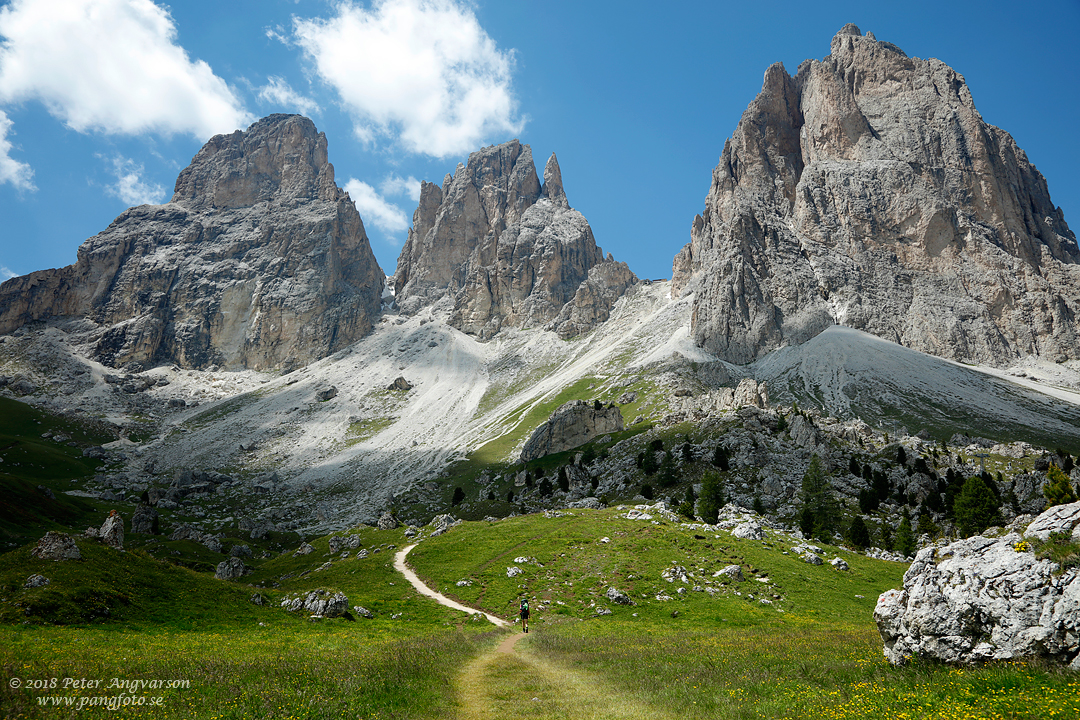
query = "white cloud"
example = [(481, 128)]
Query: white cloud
[(278, 92), (130, 187), (375, 209), (393, 185), (421, 71), (6, 274), (112, 66), (11, 170)]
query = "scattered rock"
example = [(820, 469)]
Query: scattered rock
[(56, 546), (514, 572), (732, 571), (387, 521), (363, 612), (328, 394), (321, 602), (36, 581), (749, 531), (186, 532), (231, 568), (304, 549), (813, 559), (258, 599), (400, 384), (839, 563), (618, 597)]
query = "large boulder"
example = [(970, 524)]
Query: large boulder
[(987, 598), (112, 531), (231, 568), (56, 546), (573, 424), (145, 520)]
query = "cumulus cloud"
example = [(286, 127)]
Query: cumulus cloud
[(278, 92), (130, 187), (375, 209), (11, 170), (112, 66), (422, 72), (409, 187)]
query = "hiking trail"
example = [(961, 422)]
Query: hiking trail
[(507, 683)]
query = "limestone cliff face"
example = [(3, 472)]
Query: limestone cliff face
[(259, 260), (867, 191), (506, 249)]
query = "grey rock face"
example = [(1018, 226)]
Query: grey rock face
[(231, 568), (259, 260), (732, 571), (145, 520), (56, 546), (574, 423), (867, 191), (986, 598), (186, 532), (112, 531), (506, 250)]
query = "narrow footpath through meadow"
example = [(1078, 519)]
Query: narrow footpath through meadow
[(511, 682)]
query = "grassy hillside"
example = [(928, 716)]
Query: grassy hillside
[(811, 651)]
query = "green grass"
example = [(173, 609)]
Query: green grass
[(366, 429), (27, 461), (813, 652)]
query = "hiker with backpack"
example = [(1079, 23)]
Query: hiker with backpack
[(525, 614)]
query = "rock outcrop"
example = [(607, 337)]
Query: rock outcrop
[(259, 260), (867, 191), (574, 423), (507, 250), (321, 602), (112, 531), (988, 598), (56, 546), (230, 569)]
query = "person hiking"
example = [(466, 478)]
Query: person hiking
[(525, 614)]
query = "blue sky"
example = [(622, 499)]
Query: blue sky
[(103, 102)]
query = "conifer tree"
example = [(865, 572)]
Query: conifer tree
[(976, 507), (858, 534), (817, 496), (904, 542), (712, 497), (1057, 490)]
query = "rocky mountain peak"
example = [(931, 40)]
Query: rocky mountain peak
[(506, 250), (259, 261), (867, 191), (553, 187), (278, 159)]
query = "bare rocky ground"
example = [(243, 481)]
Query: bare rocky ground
[(337, 442)]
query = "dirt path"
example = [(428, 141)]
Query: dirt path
[(507, 683), (401, 567)]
